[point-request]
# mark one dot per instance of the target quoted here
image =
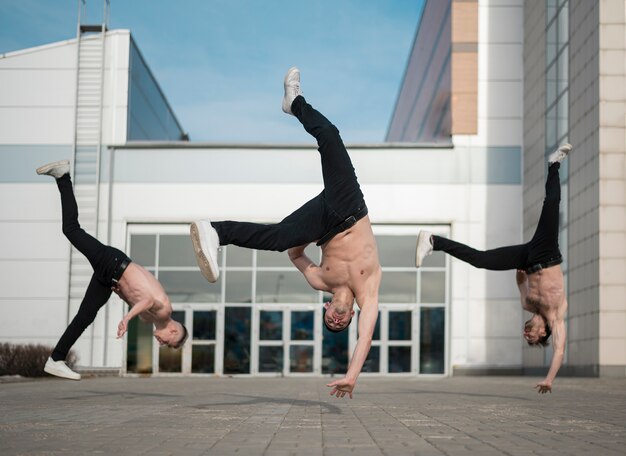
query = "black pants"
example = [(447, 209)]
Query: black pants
[(103, 259), (340, 198), (542, 248)]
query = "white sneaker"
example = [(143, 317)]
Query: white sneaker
[(560, 154), (292, 88), (60, 369), (55, 169), (424, 247), (205, 244)]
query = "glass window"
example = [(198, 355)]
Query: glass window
[(372, 363), (301, 358), (302, 325), (400, 325), (265, 258), (287, 286), (432, 334), (398, 287), (204, 325), (176, 250), (189, 286), (436, 260), (433, 287), (396, 251), (270, 359), (334, 352), (203, 359), (271, 325), (237, 340), (143, 249), (399, 359), (238, 286), (238, 256), (139, 347)]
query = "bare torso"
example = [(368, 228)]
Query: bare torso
[(545, 293), (351, 258), (137, 287)]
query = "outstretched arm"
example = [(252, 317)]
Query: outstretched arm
[(558, 341), (367, 323), (309, 269)]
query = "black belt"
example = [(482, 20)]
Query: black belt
[(343, 226), (546, 264), (119, 270)]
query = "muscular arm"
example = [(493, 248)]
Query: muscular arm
[(309, 269), (367, 324), (137, 309), (558, 341)]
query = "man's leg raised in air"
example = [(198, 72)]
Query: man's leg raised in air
[(544, 246), (341, 189), (500, 259)]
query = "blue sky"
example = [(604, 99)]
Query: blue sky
[(221, 62)]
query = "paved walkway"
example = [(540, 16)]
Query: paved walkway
[(245, 416)]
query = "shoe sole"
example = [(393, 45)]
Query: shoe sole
[(420, 240), (58, 373), (203, 262), (46, 168)]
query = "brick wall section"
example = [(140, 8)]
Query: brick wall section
[(584, 186), (612, 189)]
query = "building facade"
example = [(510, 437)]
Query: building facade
[(491, 87)]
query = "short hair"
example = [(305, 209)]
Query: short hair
[(183, 339), (331, 329), (544, 340)]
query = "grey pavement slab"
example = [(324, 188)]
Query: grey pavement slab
[(297, 416)]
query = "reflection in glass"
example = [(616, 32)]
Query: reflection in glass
[(432, 340), (189, 286), (302, 325), (399, 359), (203, 359), (334, 352), (433, 287), (176, 250), (398, 287), (139, 347), (396, 251), (238, 256), (400, 325), (301, 358), (287, 286), (271, 325), (143, 249), (170, 360), (372, 363), (238, 286), (204, 325), (237, 340), (270, 359)]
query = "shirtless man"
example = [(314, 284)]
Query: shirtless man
[(336, 220), (539, 275), (113, 271)]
